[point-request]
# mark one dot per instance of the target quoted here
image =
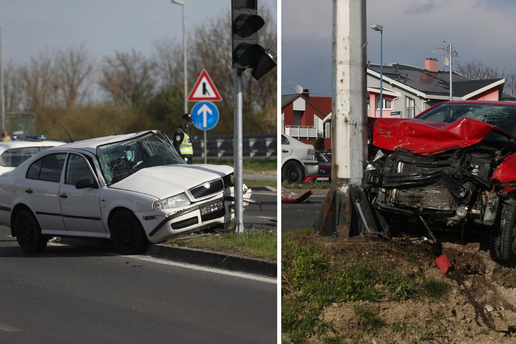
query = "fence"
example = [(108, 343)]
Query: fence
[(300, 131), (255, 146)]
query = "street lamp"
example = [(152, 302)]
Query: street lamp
[(377, 27), (182, 3), (2, 81)]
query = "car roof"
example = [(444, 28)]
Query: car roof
[(91, 145), (485, 102), (6, 145)]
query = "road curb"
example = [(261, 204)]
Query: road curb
[(214, 259), (187, 255)]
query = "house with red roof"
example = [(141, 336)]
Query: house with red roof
[(407, 91)]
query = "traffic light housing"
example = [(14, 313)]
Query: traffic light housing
[(247, 53)]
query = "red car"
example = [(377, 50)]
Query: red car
[(453, 167), (324, 174)]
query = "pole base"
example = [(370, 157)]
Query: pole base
[(346, 213)]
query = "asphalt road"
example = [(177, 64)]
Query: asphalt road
[(295, 216), (267, 217), (69, 295)]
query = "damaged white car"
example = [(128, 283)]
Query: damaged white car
[(132, 189)]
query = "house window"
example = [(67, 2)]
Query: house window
[(387, 103), (411, 107)]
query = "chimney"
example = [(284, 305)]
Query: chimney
[(306, 93), (432, 65)]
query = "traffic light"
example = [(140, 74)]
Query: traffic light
[(247, 53)]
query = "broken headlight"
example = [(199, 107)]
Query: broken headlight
[(171, 202)]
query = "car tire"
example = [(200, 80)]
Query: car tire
[(292, 172), (127, 233), (28, 232), (502, 241)]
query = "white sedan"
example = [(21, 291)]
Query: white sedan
[(133, 189), (13, 153)]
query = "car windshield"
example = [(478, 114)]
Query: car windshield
[(498, 115), (320, 157), (121, 159)]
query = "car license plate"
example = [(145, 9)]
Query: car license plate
[(211, 207), (322, 179)]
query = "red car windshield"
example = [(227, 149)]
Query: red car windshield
[(502, 116)]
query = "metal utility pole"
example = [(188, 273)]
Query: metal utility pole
[(239, 150), (2, 80), (247, 53), (182, 3), (349, 119), (448, 49)]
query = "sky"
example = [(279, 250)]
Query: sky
[(104, 26), (481, 30)]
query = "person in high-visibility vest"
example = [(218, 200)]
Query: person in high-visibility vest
[(183, 140)]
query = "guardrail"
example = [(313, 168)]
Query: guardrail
[(255, 146)]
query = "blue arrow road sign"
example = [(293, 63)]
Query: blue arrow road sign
[(205, 115)]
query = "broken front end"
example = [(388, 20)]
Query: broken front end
[(469, 187)]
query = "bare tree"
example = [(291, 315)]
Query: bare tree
[(210, 49), (75, 67), (168, 56), (40, 82), (480, 71), (128, 78), (477, 70), (510, 84), (13, 87)]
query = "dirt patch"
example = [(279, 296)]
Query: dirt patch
[(479, 307)]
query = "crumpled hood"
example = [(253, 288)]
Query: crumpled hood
[(170, 180), (426, 137)]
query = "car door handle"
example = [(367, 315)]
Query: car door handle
[(64, 195), (284, 151), (29, 191)]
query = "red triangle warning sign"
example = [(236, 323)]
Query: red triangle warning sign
[(204, 90)]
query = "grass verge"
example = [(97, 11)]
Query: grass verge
[(254, 165), (356, 276), (314, 185), (255, 183), (259, 244)]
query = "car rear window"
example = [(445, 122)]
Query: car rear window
[(14, 157)]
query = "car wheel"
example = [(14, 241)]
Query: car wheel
[(502, 241), (127, 233), (28, 232), (292, 172)]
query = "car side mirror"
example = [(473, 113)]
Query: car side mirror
[(86, 183)]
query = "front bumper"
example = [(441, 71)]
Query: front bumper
[(311, 168), (163, 225)]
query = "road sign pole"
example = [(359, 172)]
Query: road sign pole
[(238, 155), (205, 142)]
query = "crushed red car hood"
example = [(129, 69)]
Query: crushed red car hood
[(426, 137)]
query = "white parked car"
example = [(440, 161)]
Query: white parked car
[(133, 189), (13, 153), (298, 160)]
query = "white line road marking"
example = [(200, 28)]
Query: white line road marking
[(206, 269), (7, 328)]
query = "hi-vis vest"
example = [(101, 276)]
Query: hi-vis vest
[(186, 147)]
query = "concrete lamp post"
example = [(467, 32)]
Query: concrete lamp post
[(377, 27)]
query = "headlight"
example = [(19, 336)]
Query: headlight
[(171, 202), (310, 154)]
